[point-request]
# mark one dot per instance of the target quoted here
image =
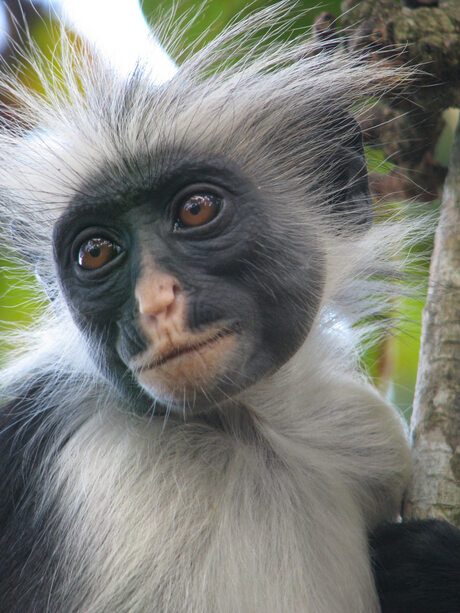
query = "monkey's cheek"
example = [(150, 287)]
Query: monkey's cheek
[(188, 374)]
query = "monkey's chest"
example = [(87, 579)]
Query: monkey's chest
[(205, 528)]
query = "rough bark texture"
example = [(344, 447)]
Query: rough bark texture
[(435, 489), (411, 32), (423, 34)]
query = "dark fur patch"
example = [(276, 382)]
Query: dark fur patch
[(417, 567), (26, 560)]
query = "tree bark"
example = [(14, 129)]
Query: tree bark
[(424, 34), (435, 488), (420, 33)]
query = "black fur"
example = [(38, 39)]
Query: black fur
[(417, 567), (27, 562)]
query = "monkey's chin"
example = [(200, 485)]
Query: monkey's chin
[(188, 379)]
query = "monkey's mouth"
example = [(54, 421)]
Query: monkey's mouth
[(181, 350)]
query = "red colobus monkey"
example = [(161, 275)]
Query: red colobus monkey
[(189, 429)]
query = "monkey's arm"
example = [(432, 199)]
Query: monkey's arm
[(417, 567)]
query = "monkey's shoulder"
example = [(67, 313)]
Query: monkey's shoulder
[(20, 418), (24, 546), (23, 411)]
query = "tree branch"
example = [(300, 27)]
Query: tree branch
[(435, 489)]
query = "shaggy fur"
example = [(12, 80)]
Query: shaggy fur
[(265, 503)]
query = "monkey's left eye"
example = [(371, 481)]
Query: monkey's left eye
[(97, 252), (197, 210)]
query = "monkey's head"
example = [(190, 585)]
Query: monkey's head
[(193, 285), (192, 274), (191, 220)]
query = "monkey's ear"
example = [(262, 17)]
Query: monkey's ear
[(351, 201)]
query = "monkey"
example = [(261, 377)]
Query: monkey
[(188, 428)]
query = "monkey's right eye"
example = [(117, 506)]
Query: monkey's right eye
[(96, 252)]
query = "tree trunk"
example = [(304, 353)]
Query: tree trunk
[(426, 33), (435, 488)]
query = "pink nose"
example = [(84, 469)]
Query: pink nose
[(156, 293)]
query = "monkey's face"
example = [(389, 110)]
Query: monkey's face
[(189, 288)]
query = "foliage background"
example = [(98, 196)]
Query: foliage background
[(392, 363)]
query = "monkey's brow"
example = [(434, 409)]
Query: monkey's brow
[(113, 191), (141, 180), (111, 204)]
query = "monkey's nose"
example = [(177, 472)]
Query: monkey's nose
[(156, 293)]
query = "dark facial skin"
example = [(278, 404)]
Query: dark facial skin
[(234, 275)]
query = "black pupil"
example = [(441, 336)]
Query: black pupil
[(95, 251), (194, 208)]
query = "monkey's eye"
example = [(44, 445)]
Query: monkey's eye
[(197, 210), (97, 252)]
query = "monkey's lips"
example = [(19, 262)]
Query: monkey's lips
[(186, 367), (180, 350)]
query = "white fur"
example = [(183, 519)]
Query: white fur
[(184, 517)]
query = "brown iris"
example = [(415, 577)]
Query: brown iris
[(97, 252), (198, 210)]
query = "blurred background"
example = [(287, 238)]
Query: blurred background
[(119, 30)]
